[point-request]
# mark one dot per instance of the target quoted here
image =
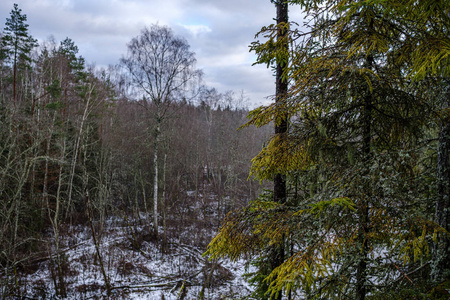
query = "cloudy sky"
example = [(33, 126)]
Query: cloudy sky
[(219, 32)]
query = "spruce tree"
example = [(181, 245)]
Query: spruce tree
[(359, 214)]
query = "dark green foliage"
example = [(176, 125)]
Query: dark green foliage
[(360, 156), (69, 50), (257, 279), (16, 43)]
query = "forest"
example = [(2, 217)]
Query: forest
[(138, 181)]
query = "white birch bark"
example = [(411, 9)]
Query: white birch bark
[(77, 148), (155, 183)]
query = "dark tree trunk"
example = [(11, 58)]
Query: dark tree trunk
[(441, 256), (363, 208), (281, 128), (279, 190), (14, 85), (363, 203)]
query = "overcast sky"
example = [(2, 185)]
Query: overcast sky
[(218, 31)]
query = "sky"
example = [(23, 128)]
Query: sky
[(218, 31)]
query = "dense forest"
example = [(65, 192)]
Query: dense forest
[(133, 181), (81, 145)]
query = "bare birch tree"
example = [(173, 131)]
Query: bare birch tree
[(161, 67)]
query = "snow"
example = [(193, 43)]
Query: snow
[(135, 267)]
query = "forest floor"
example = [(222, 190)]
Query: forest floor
[(134, 264)]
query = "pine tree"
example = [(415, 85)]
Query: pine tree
[(17, 44)]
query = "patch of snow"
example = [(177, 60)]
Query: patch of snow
[(135, 267)]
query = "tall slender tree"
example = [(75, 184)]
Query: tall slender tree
[(161, 67), (16, 44), (281, 122)]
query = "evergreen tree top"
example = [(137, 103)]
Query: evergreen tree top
[(16, 42), (16, 23)]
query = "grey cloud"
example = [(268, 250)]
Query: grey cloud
[(102, 28)]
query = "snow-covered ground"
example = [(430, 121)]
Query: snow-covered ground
[(135, 267)]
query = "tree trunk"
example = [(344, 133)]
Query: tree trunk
[(281, 128), (279, 190), (77, 148), (14, 83), (155, 166), (163, 206), (144, 193), (441, 255), (55, 225), (96, 240), (363, 203)]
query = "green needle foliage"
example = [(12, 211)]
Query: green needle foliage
[(362, 156), (16, 43)]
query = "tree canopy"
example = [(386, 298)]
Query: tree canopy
[(366, 158)]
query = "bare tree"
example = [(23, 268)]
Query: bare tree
[(161, 67)]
